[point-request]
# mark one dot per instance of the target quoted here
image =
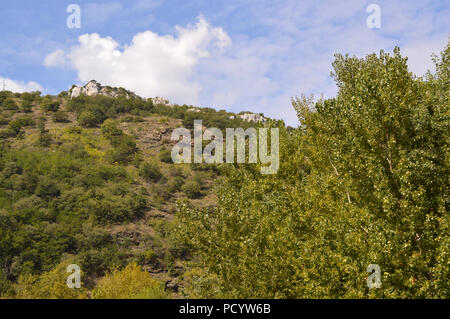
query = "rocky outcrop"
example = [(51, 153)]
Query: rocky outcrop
[(90, 89), (93, 88), (160, 100), (252, 117)]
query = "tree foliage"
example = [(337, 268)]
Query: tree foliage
[(363, 180), (130, 282)]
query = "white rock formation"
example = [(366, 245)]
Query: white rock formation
[(161, 100), (110, 92), (93, 88), (252, 117), (75, 91), (90, 89)]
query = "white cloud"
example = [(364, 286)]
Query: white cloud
[(152, 65), (19, 86), (56, 58)]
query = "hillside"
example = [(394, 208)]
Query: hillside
[(358, 206), (89, 177)]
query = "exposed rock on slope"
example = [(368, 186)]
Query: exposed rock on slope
[(161, 100), (90, 89), (252, 117), (93, 88)]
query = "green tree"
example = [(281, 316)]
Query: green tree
[(87, 119), (51, 106), (10, 104), (150, 171), (130, 282), (124, 148), (175, 184), (26, 106), (192, 189), (112, 132), (49, 285), (60, 117), (165, 155), (363, 180)]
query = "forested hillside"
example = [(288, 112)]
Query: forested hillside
[(90, 181), (364, 179)]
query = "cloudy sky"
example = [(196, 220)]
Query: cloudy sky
[(228, 54)]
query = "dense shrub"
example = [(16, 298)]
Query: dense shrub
[(174, 185), (191, 189), (124, 145), (25, 120), (26, 106), (111, 131), (52, 106), (60, 117), (150, 171), (44, 139), (87, 119), (123, 150), (6, 286), (129, 283), (165, 155), (17, 124), (147, 256), (4, 95), (176, 171), (31, 96), (49, 285), (108, 107), (47, 188), (10, 104), (55, 194)]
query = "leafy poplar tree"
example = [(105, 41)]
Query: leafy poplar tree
[(363, 180)]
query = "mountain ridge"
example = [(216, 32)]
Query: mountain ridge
[(94, 88)]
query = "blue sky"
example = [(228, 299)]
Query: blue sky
[(227, 54)]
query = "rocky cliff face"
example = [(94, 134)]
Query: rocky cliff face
[(90, 89), (93, 88)]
